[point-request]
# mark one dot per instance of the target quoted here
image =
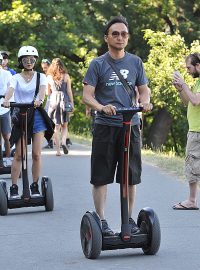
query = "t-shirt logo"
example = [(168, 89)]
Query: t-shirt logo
[(124, 73), (114, 76)]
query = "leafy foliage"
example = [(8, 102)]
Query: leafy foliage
[(73, 31)]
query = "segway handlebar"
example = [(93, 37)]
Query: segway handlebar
[(125, 110), (20, 105)]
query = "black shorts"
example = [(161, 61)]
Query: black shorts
[(106, 146)]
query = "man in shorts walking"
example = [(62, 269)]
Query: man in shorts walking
[(103, 92), (191, 97)]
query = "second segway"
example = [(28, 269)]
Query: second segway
[(148, 238), (26, 200)]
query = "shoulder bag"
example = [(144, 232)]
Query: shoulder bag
[(129, 89)]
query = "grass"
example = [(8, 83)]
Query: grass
[(87, 140), (168, 162)]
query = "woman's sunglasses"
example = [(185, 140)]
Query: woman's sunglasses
[(28, 60)]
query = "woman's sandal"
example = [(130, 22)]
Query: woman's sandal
[(65, 149)]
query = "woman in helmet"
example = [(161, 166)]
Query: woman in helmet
[(23, 85)]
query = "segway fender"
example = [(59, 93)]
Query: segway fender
[(3, 184), (47, 192), (148, 222), (3, 199), (148, 212), (96, 217)]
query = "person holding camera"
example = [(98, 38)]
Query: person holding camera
[(191, 97), (61, 102)]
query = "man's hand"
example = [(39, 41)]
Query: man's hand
[(88, 111), (178, 82), (109, 109), (147, 107)]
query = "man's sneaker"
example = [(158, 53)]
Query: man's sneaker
[(134, 228), (34, 189), (65, 149), (105, 229), (14, 191)]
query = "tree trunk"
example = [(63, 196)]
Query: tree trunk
[(159, 129)]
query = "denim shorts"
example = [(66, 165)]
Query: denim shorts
[(6, 123), (39, 124)]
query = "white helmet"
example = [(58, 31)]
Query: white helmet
[(27, 50)]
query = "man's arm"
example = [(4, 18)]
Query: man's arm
[(187, 95), (144, 98), (88, 98), (90, 101)]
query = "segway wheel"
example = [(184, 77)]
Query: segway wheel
[(148, 222), (47, 192), (91, 237), (3, 199)]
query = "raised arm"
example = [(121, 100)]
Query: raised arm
[(185, 92)]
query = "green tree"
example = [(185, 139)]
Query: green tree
[(73, 30)]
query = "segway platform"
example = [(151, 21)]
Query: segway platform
[(26, 200)]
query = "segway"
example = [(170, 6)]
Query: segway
[(4, 169), (149, 236), (26, 200)]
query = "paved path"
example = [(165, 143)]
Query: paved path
[(33, 239)]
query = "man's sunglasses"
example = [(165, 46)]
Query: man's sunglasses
[(116, 34)]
